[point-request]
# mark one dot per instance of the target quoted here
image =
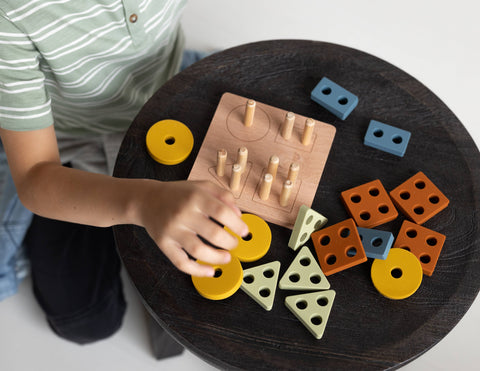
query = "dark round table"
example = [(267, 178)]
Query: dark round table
[(365, 330)]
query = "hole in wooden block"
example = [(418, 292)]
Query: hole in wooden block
[(383, 209), (294, 277), (396, 272), (170, 140), (323, 301), (420, 184), (315, 279), (425, 259), (355, 199), (352, 251), (249, 279), (365, 215), (301, 304), (404, 195), (268, 273), (331, 259), (344, 232), (343, 101), (316, 320), (412, 233), (305, 261), (419, 210), (432, 241), (265, 292), (248, 237), (374, 192), (218, 273), (397, 139)]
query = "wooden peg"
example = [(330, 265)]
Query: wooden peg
[(266, 186), (249, 112), (273, 165), (236, 177), (221, 160), (286, 192), (308, 131), (293, 172), (242, 157), (287, 127)]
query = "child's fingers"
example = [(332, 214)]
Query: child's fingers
[(213, 233)]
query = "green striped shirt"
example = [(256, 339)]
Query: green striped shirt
[(86, 66)]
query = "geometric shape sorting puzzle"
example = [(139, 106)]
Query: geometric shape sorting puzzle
[(263, 139), (387, 138), (260, 283), (399, 276), (376, 243), (338, 247), (226, 281), (369, 204), (422, 242), (256, 244), (312, 309), (304, 273), (307, 222), (418, 198), (334, 98)]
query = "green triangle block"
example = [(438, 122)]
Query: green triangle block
[(307, 222), (304, 273), (260, 283), (312, 309)]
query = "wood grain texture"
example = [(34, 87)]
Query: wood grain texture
[(365, 330)]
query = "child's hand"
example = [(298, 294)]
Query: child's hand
[(176, 213)]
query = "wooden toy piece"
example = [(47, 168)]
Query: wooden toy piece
[(264, 139), (227, 280), (273, 165), (260, 283), (308, 131), (236, 177), (387, 138), (369, 204), (334, 98), (419, 199), (265, 187), (242, 157), (312, 309), (286, 192), (221, 161), (287, 127), (307, 222), (304, 273), (422, 242), (249, 113), (399, 276), (376, 243), (293, 171), (169, 142), (256, 244), (338, 247)]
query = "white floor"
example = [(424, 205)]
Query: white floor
[(436, 42)]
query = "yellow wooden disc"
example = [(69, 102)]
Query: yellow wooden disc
[(398, 276), (257, 243), (169, 142), (227, 280)]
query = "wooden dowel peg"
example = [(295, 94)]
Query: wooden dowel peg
[(287, 127), (266, 186), (293, 172), (242, 157), (236, 177), (221, 160), (249, 112), (286, 192), (273, 165), (308, 131)]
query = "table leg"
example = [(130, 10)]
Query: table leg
[(163, 345)]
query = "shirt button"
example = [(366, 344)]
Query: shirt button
[(133, 18)]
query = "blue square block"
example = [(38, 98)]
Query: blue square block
[(376, 243), (387, 138), (334, 98)]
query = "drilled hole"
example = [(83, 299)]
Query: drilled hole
[(248, 237), (264, 293), (374, 192), (294, 277), (316, 320), (397, 139), (419, 210), (302, 304), (396, 273), (405, 195), (378, 133), (351, 252), (315, 279), (355, 199), (412, 233), (268, 273), (331, 259), (343, 101), (377, 242), (432, 241), (326, 90), (365, 215), (218, 273), (249, 279), (170, 140), (305, 261), (345, 232), (434, 199), (425, 259), (323, 301), (325, 240), (383, 209), (420, 184)]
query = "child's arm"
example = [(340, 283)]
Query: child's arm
[(173, 213)]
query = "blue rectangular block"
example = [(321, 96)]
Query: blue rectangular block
[(376, 243), (387, 138), (334, 98)]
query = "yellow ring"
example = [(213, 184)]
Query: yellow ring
[(258, 243), (223, 286), (169, 142), (399, 276)]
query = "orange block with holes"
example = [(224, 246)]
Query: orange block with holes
[(422, 242), (419, 199), (369, 204), (338, 247)]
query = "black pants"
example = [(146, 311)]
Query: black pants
[(76, 278)]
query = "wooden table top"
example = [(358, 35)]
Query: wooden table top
[(365, 330)]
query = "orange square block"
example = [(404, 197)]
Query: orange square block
[(418, 198), (369, 204), (422, 242), (338, 247)]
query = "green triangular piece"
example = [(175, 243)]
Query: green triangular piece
[(307, 222), (312, 309), (304, 273), (260, 283)]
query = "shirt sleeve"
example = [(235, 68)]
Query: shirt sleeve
[(24, 101)]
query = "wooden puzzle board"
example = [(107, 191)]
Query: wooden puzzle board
[(263, 139)]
